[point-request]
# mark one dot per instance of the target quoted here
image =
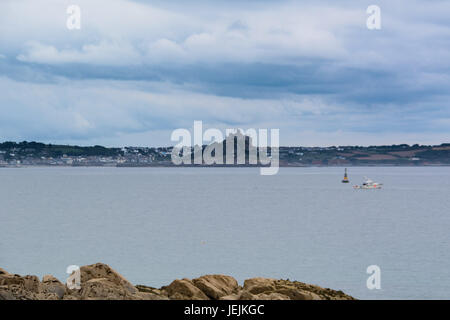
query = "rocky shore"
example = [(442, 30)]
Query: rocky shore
[(100, 282)]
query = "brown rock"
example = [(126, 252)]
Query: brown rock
[(158, 294), (31, 283), (3, 272), (245, 295), (302, 291), (184, 290), (297, 294), (101, 270), (99, 281), (216, 286), (17, 292), (11, 279), (268, 289), (16, 287), (259, 285), (149, 296), (271, 296), (48, 296), (51, 285), (103, 289), (233, 296), (6, 294)]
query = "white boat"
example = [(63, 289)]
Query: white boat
[(369, 184)]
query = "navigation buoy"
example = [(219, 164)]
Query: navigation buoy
[(345, 180)]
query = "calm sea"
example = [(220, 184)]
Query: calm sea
[(154, 225)]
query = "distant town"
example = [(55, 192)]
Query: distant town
[(13, 154)]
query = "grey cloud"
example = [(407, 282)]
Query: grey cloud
[(308, 66)]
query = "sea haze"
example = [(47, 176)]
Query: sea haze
[(154, 225)]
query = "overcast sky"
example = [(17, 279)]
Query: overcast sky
[(136, 70)]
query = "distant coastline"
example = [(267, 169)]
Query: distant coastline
[(26, 154), (216, 166)]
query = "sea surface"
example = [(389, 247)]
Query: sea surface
[(154, 225)]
